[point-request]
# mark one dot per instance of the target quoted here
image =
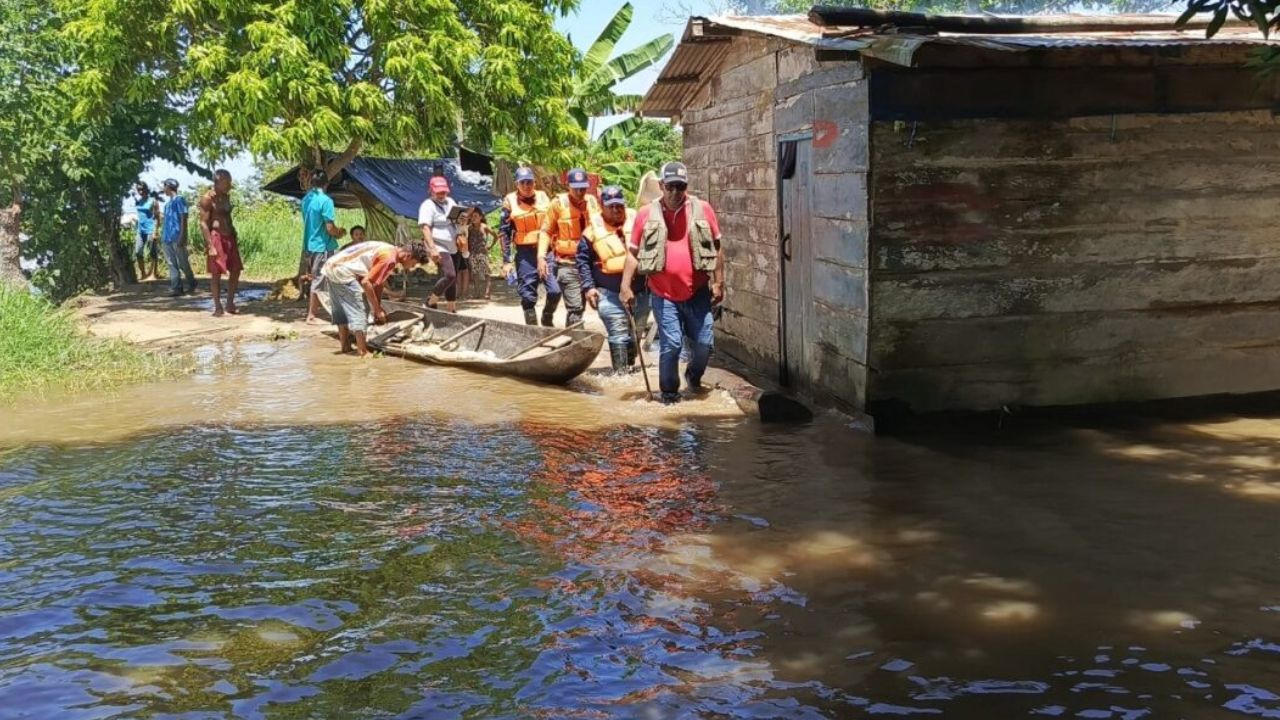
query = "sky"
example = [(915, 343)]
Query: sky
[(651, 19)]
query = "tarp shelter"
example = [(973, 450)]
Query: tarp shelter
[(390, 191)]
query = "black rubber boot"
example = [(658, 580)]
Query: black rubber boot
[(549, 311), (631, 356), (618, 356), (530, 316)]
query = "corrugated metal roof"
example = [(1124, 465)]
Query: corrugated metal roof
[(705, 44)]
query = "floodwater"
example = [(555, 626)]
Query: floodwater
[(290, 534)]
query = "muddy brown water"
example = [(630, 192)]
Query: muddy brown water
[(292, 534)]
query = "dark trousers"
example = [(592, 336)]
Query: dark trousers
[(528, 280), (447, 285)]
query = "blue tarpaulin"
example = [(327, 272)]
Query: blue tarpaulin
[(400, 185)]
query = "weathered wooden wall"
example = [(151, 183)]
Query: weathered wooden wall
[(830, 100), (729, 149), (763, 90), (1049, 262)]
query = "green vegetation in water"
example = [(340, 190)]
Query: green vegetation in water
[(42, 345)]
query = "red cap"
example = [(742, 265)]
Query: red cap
[(439, 184)]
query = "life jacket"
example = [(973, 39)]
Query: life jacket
[(611, 250), (703, 248), (570, 224), (527, 220)]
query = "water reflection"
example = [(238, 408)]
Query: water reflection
[(507, 563)]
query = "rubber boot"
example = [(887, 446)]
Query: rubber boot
[(549, 311), (631, 357), (530, 316), (618, 356)]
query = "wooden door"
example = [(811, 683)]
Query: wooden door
[(796, 269)]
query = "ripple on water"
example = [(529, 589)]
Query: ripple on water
[(228, 569), (431, 567)]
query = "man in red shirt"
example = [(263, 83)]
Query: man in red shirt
[(676, 244)]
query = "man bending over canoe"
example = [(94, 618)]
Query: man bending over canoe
[(363, 270)]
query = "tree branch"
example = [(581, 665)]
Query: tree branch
[(336, 165)]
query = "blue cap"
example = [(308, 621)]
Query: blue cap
[(578, 179), (523, 174), (612, 195)]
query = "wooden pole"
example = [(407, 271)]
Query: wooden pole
[(453, 339), (552, 336), (834, 16)]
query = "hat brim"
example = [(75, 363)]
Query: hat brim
[(579, 185), (618, 201)]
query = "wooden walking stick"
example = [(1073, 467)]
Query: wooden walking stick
[(635, 338)]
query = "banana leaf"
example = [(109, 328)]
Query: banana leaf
[(602, 48)]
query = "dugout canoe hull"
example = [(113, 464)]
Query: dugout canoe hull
[(556, 366)]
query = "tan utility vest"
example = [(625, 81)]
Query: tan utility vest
[(652, 255)]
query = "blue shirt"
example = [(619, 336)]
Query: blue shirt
[(146, 208), (175, 216), (317, 213)]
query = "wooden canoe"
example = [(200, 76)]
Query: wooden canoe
[(487, 348)]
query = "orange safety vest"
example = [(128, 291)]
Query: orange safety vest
[(570, 224), (527, 219), (611, 250)]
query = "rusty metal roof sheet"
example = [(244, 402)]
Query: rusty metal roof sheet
[(705, 44)]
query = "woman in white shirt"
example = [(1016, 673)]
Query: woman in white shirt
[(441, 237)]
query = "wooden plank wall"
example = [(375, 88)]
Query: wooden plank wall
[(1057, 262), (729, 148), (831, 101)]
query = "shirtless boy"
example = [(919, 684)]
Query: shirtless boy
[(221, 241)]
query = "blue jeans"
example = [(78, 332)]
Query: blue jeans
[(175, 256), (614, 316), (677, 321)]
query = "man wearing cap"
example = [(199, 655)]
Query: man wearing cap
[(523, 213), (440, 234), (174, 240), (562, 230), (602, 256), (676, 241), (320, 235)]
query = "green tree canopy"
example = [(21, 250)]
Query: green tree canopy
[(62, 177), (288, 79)]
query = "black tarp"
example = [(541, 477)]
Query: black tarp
[(400, 185)]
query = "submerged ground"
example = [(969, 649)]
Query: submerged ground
[(289, 533)]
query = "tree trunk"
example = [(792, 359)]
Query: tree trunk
[(122, 272), (336, 165), (10, 245)]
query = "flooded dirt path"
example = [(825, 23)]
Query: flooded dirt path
[(292, 533)]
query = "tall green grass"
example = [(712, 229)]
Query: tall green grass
[(43, 346), (271, 237)]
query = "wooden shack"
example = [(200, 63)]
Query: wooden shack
[(959, 218)]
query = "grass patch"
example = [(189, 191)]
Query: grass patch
[(43, 346), (271, 237)]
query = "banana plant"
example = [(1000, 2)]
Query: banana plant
[(593, 86)]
